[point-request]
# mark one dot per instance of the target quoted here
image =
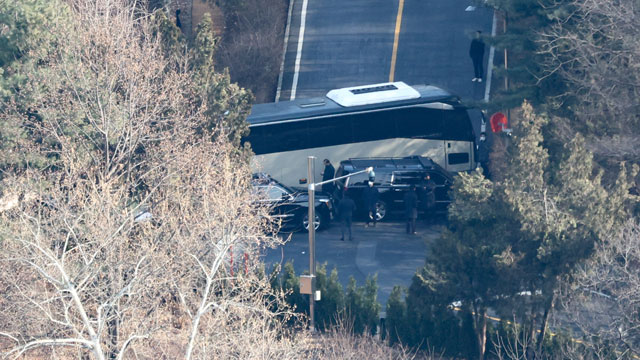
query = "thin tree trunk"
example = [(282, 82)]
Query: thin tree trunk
[(530, 352), (112, 330), (545, 320), (480, 324), (482, 340)]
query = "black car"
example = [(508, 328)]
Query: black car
[(393, 178), (291, 206)]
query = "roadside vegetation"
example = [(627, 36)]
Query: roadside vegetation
[(128, 228), (125, 195), (252, 44)]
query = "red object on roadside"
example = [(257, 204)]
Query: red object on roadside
[(498, 122)]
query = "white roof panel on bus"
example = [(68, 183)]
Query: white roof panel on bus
[(373, 94), (324, 106)]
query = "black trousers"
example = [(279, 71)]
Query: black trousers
[(411, 225), (372, 217), (477, 67), (346, 224)]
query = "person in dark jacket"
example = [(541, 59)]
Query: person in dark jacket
[(335, 201), (411, 209), (483, 155), (328, 174), (428, 197), (476, 52), (370, 196), (346, 207), (178, 22)]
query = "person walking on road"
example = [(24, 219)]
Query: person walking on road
[(411, 209), (328, 174), (370, 195), (346, 207), (476, 52)]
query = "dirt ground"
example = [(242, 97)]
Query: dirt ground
[(253, 58), (200, 7)]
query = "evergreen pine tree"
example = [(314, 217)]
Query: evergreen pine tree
[(26, 41), (362, 305), (396, 319), (522, 235), (332, 297), (525, 20), (291, 285), (228, 105)]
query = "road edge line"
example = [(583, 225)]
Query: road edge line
[(284, 51), (396, 39), (296, 71), (492, 51)]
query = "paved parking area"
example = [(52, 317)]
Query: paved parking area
[(385, 250)]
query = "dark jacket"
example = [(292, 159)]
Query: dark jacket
[(370, 196), (346, 207), (483, 152), (428, 194), (411, 205), (329, 172), (476, 51)]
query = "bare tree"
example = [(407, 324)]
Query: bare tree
[(85, 268), (339, 342), (252, 46), (123, 247), (605, 303), (514, 347), (596, 50), (126, 243)]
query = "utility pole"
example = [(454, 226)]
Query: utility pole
[(312, 237), (308, 283)]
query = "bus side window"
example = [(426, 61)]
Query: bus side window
[(457, 158), (328, 132), (372, 126), (458, 125), (420, 123), (286, 137)]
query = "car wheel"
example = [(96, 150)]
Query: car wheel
[(381, 210), (318, 223)]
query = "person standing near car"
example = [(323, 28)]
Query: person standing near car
[(370, 196), (328, 174), (429, 198), (346, 207), (411, 209), (483, 155)]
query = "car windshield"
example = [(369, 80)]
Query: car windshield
[(268, 181), (271, 192), (362, 179)]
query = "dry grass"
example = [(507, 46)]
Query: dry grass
[(252, 46)]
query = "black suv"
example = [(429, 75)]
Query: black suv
[(289, 205), (393, 178)]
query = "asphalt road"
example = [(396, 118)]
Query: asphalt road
[(385, 250), (349, 43)]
